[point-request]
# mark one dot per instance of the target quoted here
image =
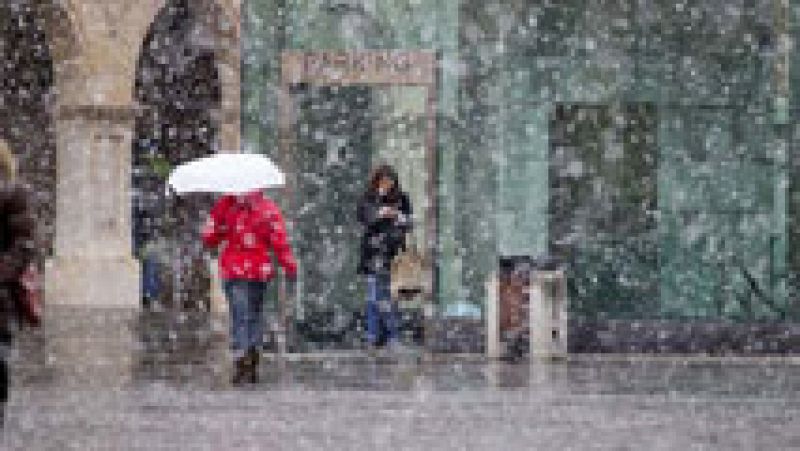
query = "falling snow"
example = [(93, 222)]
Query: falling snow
[(599, 249)]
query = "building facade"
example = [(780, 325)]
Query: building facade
[(648, 145)]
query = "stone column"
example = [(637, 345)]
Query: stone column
[(93, 264)]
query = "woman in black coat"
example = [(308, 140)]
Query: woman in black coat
[(16, 253), (385, 214)]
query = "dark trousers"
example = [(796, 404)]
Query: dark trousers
[(246, 306), (382, 314)]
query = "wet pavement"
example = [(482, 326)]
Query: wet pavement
[(108, 382)]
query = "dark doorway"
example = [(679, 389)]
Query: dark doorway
[(178, 86), (331, 161)]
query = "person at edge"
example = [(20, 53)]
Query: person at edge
[(17, 251)]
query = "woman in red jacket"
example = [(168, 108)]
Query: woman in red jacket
[(248, 226)]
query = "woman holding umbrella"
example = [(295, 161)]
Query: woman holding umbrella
[(248, 226)]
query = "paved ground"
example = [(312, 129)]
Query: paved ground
[(84, 393)]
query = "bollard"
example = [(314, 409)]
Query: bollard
[(548, 315), (493, 317)]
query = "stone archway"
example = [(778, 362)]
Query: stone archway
[(95, 119), (216, 30), (178, 91)]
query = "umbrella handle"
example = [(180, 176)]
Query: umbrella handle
[(169, 190)]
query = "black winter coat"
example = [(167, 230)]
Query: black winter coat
[(383, 238), (16, 252)]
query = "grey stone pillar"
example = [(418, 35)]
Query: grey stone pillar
[(93, 264)]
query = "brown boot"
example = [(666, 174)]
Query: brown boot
[(253, 357), (240, 370)]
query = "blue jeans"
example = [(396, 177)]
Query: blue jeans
[(151, 282), (246, 306), (382, 315)]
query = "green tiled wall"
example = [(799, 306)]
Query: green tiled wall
[(727, 199)]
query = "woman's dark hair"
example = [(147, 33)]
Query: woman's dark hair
[(381, 172)]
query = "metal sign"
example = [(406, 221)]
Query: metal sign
[(359, 67)]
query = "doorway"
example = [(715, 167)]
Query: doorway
[(336, 129), (179, 88)]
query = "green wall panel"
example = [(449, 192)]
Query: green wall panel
[(726, 206)]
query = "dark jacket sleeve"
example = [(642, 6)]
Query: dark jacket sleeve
[(214, 231), (18, 225), (368, 211), (406, 219)]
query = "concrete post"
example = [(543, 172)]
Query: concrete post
[(493, 350), (548, 315)]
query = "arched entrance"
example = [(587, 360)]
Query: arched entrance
[(179, 91), (344, 112)]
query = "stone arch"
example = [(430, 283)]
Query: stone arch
[(219, 23), (182, 114), (62, 23), (222, 21), (63, 28)]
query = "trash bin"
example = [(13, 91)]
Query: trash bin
[(548, 312), (513, 282), (507, 308)]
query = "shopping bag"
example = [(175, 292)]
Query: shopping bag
[(409, 274)]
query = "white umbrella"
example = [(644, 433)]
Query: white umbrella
[(228, 173)]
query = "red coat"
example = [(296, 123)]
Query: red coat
[(249, 227)]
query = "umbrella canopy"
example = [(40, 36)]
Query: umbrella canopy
[(227, 173)]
